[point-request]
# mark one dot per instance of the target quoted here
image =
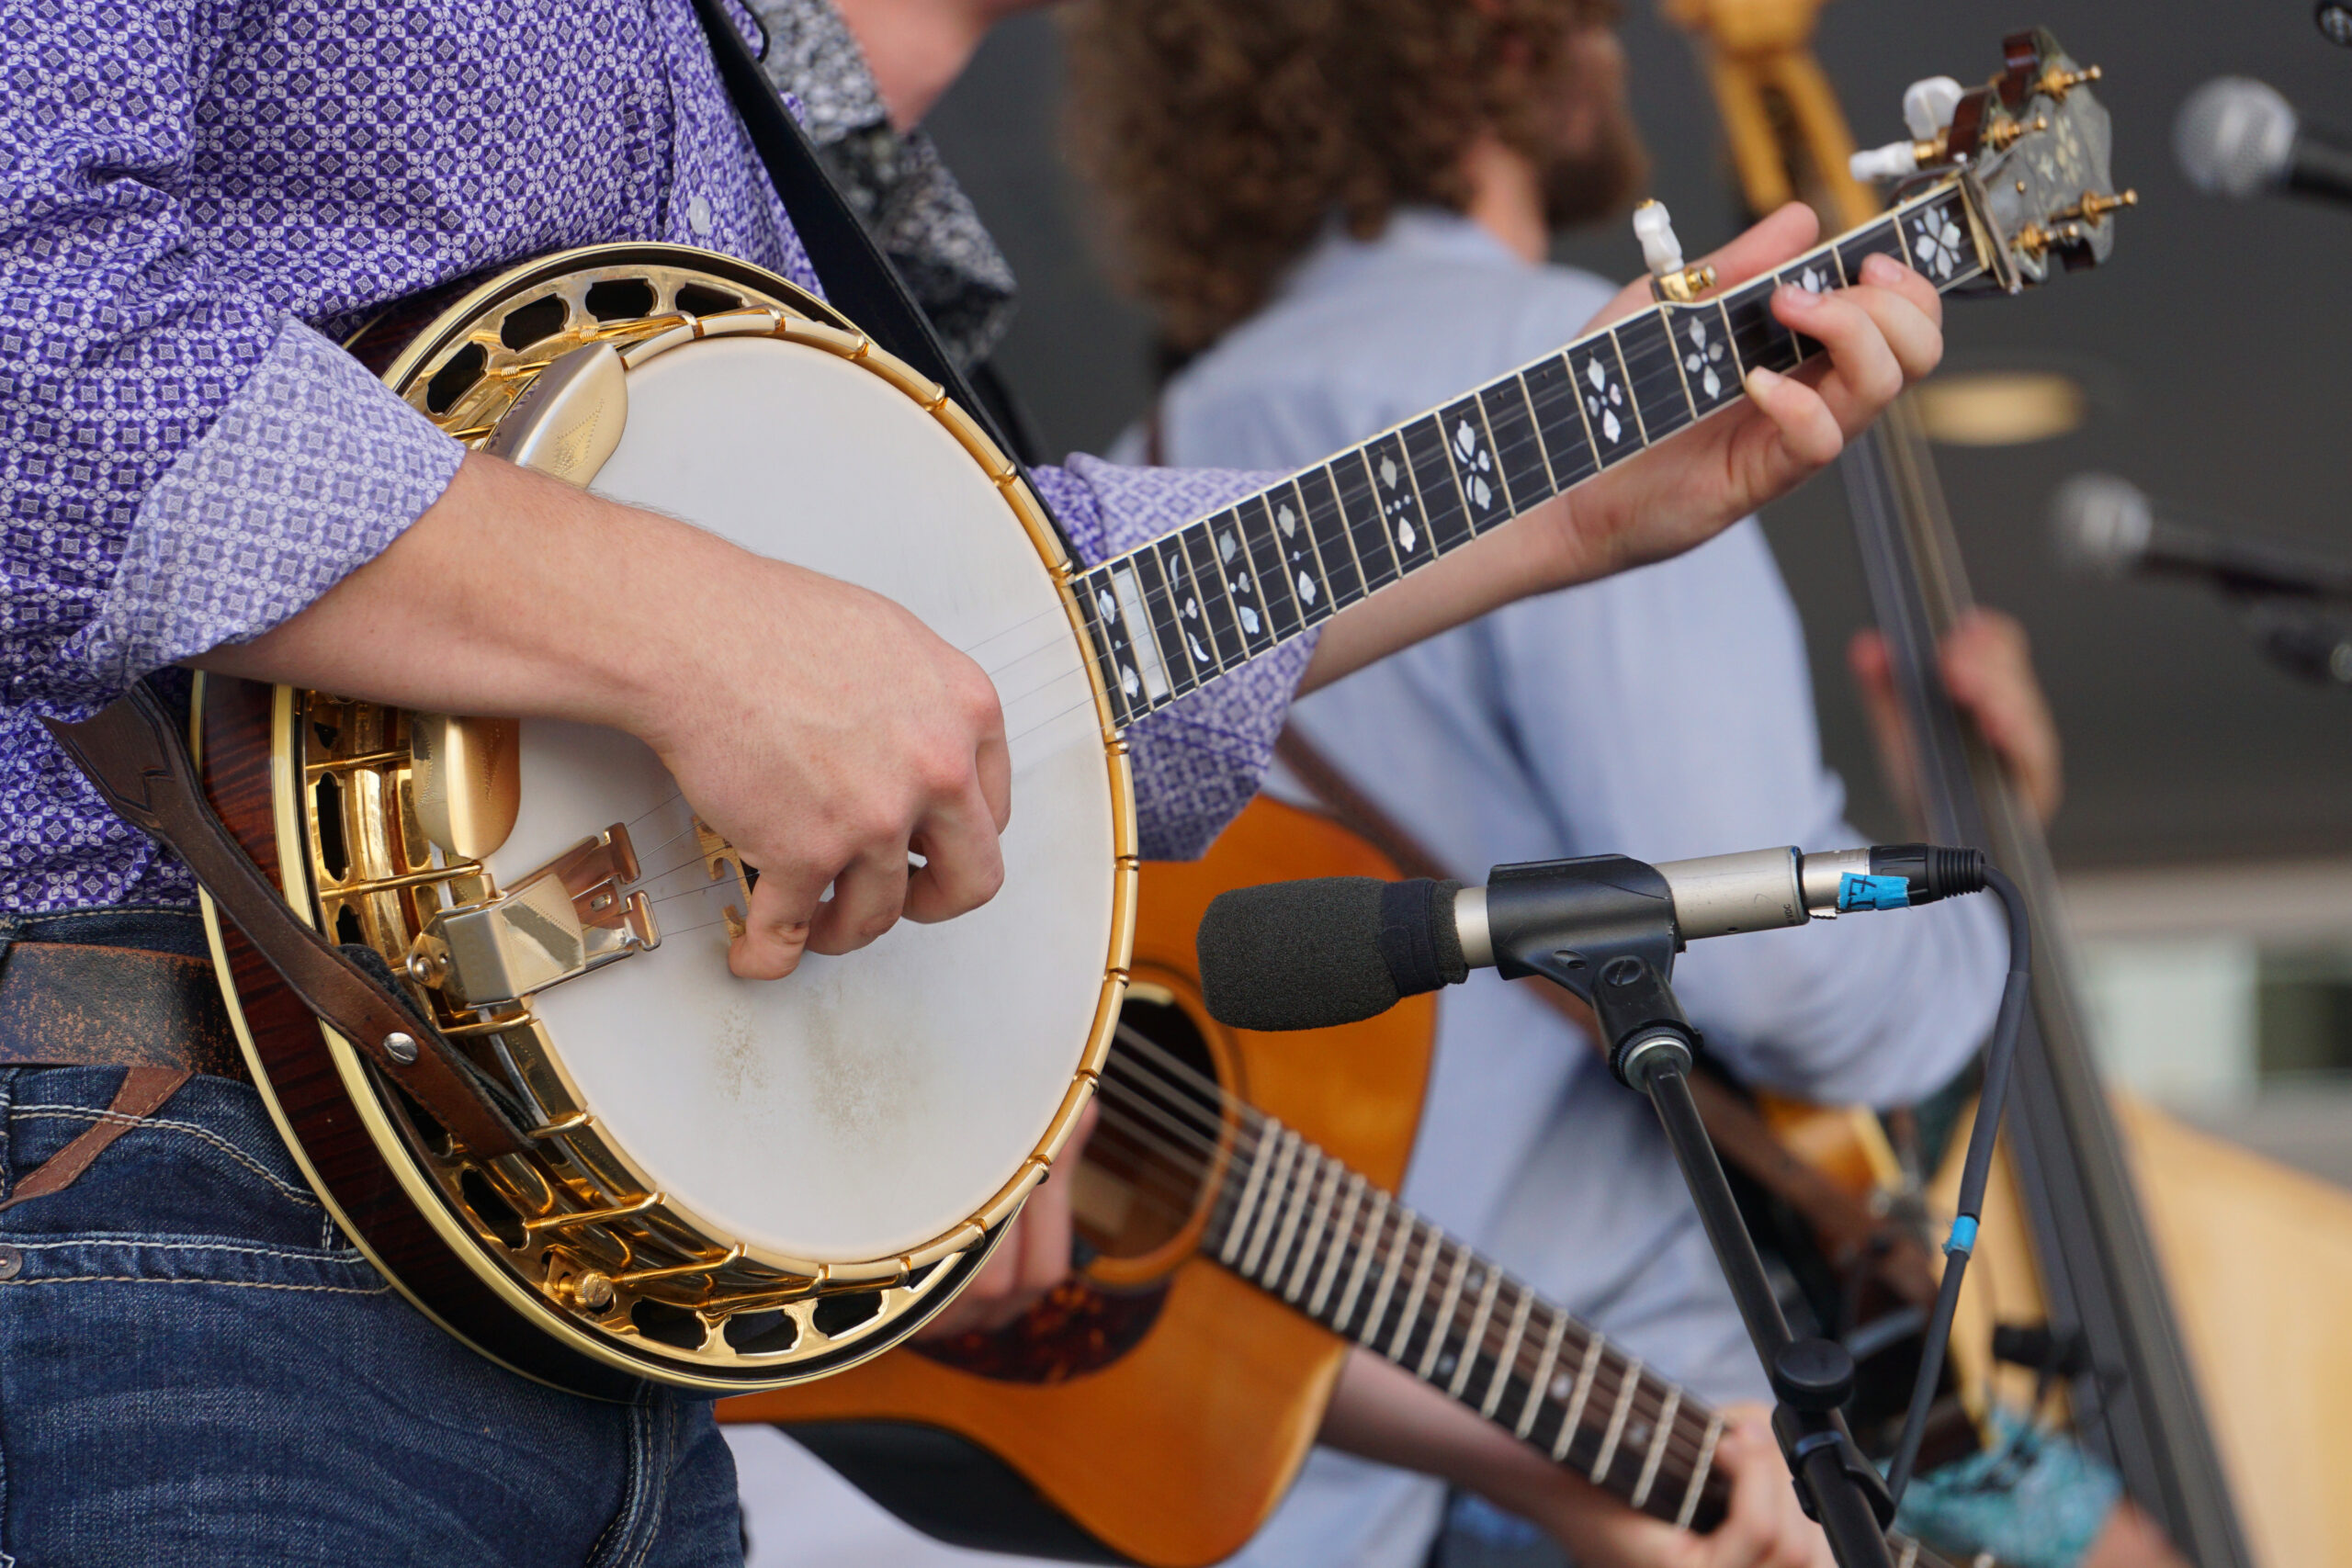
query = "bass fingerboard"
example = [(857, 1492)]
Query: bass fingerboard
[(1169, 618)]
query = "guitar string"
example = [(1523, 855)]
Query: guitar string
[(1685, 1440)]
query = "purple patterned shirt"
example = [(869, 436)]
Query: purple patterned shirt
[(196, 196)]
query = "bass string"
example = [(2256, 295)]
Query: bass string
[(1686, 1438)]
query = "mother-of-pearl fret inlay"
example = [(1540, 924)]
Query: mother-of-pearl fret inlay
[(1705, 346), (1935, 241), (1400, 503), (1608, 406), (1582, 1392), (1305, 573), (1239, 581), (1474, 1338)]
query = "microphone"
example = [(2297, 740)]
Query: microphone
[(1335, 950), (2107, 527), (2237, 137)]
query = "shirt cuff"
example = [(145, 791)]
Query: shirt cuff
[(310, 473), (1198, 761)]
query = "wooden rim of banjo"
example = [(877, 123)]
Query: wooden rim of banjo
[(578, 1239)]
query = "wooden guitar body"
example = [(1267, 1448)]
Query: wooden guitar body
[(1193, 1400)]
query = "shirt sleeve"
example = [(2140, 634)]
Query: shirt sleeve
[(1199, 760), (1686, 729), (186, 465)]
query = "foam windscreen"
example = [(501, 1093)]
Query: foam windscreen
[(1333, 950)]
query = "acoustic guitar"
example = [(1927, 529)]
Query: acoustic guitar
[(1236, 1198), (594, 1154)]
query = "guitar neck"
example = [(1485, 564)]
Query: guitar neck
[(1169, 618), (1329, 1243)]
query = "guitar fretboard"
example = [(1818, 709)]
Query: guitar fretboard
[(1301, 1226), (1172, 616)]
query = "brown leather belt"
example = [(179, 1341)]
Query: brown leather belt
[(71, 1004)]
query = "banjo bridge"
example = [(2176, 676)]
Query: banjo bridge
[(571, 916)]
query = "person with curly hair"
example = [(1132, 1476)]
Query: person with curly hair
[(1338, 212)]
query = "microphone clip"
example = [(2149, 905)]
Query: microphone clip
[(1601, 926)]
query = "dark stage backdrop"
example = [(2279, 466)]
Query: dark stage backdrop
[(2215, 349)]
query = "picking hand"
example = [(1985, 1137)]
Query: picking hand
[(1882, 334)]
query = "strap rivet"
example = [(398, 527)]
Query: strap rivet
[(12, 1262), (400, 1047)]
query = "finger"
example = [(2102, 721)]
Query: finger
[(1914, 334), (1886, 272), (1766, 244), (869, 892), (1802, 416), (1760, 248), (775, 926), (963, 862), (994, 760), (1864, 376)]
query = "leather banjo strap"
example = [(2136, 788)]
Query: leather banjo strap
[(1843, 1225), (133, 751)]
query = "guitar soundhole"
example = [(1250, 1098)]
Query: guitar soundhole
[(1143, 1176)]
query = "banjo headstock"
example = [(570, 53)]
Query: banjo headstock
[(2031, 149)]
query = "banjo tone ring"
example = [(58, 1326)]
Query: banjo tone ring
[(579, 1238)]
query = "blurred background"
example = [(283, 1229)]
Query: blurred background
[(2206, 841)]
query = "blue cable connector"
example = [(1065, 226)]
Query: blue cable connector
[(1856, 891)]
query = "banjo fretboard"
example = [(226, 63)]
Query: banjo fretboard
[(1172, 616)]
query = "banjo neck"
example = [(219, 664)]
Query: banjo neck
[(1169, 618)]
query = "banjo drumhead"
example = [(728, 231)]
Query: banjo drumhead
[(870, 1102)]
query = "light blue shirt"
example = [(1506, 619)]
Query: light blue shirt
[(1663, 713)]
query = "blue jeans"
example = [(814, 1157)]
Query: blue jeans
[(197, 1367)]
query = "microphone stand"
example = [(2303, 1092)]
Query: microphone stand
[(1619, 959)]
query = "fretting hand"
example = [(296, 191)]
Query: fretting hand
[(1988, 670)]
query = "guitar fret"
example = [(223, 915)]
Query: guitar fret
[(1352, 478), (1519, 451), (1311, 1245), (1444, 1315), (1276, 1183), (1265, 553), (1506, 1358), (1268, 1134), (1645, 349), (1410, 1313), (1365, 1249), (1402, 522), (1877, 239), (1293, 1212), (1543, 1379), (1558, 413), (1302, 562), (1241, 584), (1690, 1508), (1330, 1270), (1132, 593), (1625, 1393), (1185, 601), (1604, 401), (1224, 616), (1815, 273), (1328, 527), (1389, 1269), (1583, 1391), (1443, 508), (1658, 1446), (1476, 1334), (1477, 474)]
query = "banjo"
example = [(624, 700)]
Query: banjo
[(727, 1185)]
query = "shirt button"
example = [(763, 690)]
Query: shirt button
[(698, 216)]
